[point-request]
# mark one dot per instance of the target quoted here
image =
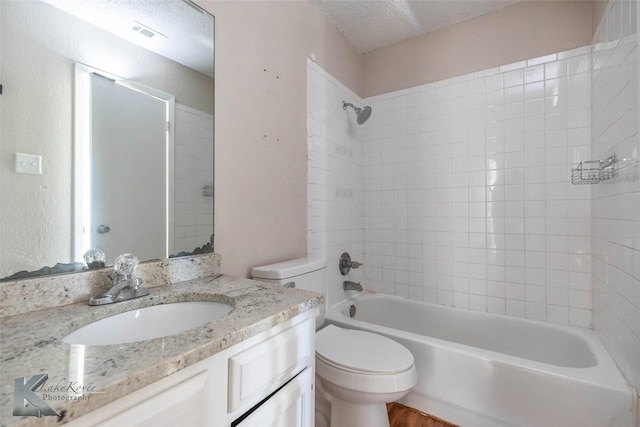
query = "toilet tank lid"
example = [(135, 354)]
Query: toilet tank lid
[(287, 269)]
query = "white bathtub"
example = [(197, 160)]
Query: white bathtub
[(479, 369)]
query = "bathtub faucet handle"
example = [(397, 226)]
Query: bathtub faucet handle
[(346, 264)]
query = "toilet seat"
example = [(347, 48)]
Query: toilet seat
[(363, 361), (361, 352)]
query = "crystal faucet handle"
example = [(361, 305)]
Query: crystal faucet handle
[(125, 264), (95, 258)]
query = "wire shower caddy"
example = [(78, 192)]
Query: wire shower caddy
[(596, 171)]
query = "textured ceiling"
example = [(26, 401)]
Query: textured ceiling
[(370, 24), (188, 30)]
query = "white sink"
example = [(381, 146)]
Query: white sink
[(148, 323)]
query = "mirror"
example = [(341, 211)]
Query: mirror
[(81, 80)]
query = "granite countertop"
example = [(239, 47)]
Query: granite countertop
[(31, 343)]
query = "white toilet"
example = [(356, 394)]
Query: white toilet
[(357, 372)]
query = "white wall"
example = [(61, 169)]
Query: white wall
[(524, 30), (35, 215), (616, 204), (261, 133)]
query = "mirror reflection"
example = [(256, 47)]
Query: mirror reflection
[(106, 132)]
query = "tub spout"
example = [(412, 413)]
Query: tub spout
[(348, 285)]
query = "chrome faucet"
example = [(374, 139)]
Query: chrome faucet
[(348, 285), (124, 286)]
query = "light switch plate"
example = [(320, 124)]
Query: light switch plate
[(28, 163)]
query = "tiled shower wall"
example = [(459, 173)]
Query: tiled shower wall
[(193, 214), (458, 192), (467, 196), (335, 215), (616, 203)]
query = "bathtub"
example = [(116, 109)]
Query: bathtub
[(479, 369)]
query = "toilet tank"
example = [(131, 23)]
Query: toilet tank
[(303, 273), (309, 274)]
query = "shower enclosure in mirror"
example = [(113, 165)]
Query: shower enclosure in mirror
[(116, 99)]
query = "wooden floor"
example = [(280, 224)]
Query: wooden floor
[(404, 416)]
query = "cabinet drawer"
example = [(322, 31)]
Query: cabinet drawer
[(184, 403), (263, 368)]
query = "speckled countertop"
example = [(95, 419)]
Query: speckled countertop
[(31, 343)]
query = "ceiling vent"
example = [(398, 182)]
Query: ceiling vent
[(143, 30)]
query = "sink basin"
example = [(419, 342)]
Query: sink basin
[(148, 323)]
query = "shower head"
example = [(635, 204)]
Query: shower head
[(362, 114)]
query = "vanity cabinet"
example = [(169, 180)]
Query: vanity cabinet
[(266, 380)]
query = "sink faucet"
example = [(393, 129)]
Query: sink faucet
[(124, 286), (348, 285)]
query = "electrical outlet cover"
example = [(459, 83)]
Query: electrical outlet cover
[(28, 163)]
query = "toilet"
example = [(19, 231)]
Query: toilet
[(357, 372)]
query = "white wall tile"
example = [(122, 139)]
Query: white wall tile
[(334, 190), (507, 174), (614, 127), (193, 171)]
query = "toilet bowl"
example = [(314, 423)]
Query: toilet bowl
[(357, 372), (361, 372)]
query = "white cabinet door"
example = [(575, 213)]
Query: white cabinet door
[(291, 406)]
